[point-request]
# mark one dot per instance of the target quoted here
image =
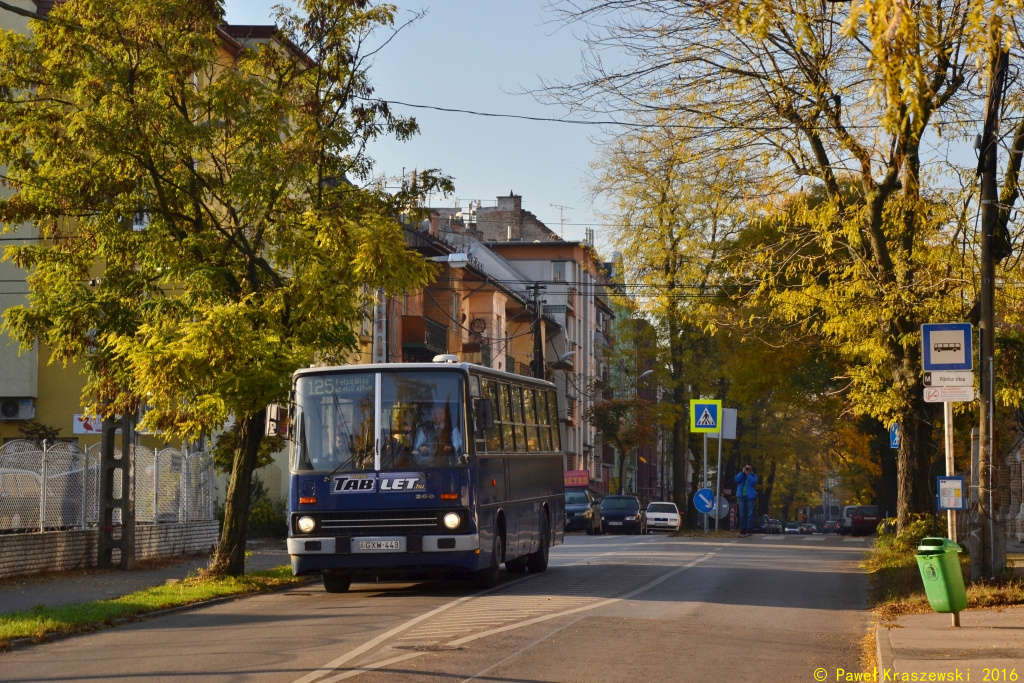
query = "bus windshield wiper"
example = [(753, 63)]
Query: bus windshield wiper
[(347, 435)]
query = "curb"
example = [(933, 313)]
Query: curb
[(50, 636), (883, 648)]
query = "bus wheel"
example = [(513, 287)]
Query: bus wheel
[(516, 565), (337, 583), (538, 561), (488, 577)]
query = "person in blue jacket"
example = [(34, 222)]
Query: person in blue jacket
[(746, 496)]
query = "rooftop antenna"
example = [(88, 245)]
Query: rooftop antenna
[(561, 218)]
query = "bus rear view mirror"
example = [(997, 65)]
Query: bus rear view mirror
[(278, 420), (484, 414)]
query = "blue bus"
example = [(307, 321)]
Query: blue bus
[(417, 470)]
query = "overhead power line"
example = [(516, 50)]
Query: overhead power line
[(630, 124)]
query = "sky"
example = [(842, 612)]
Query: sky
[(479, 55)]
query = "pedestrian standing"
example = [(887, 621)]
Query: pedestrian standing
[(746, 496)]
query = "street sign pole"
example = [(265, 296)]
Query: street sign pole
[(947, 418), (704, 480), (718, 475)]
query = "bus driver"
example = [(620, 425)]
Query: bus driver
[(434, 445)]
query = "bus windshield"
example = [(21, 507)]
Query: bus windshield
[(421, 421)]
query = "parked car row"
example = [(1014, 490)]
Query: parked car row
[(584, 511), (763, 524)]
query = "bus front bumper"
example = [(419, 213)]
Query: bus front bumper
[(382, 546)]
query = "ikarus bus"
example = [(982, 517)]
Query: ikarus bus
[(417, 470)]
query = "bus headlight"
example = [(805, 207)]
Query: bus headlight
[(306, 524), (452, 520)]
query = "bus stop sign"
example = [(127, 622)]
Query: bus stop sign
[(946, 346)]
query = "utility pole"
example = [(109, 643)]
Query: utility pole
[(538, 333), (989, 534)]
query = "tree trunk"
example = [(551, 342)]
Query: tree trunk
[(764, 499), (680, 423), (229, 558), (913, 493), (622, 468)]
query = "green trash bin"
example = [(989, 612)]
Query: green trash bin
[(939, 562)]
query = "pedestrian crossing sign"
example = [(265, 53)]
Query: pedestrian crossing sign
[(705, 415)]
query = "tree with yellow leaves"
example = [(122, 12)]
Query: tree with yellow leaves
[(204, 230)]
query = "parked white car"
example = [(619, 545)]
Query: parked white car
[(663, 516)]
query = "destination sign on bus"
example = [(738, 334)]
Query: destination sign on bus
[(336, 384)]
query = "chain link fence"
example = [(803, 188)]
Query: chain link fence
[(57, 487)]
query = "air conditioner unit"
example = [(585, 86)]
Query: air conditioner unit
[(17, 409)]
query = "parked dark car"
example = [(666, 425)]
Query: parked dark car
[(864, 520), (582, 511), (832, 527), (774, 526), (624, 514), (762, 525)]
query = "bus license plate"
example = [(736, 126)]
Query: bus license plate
[(377, 546)]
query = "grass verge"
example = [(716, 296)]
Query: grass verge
[(40, 622), (895, 580)]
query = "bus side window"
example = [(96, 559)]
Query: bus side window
[(556, 434), (517, 417), (530, 408), (505, 399), (545, 423), (493, 435)]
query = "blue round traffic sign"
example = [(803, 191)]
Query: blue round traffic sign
[(704, 500)]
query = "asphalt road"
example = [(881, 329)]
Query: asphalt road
[(609, 608)]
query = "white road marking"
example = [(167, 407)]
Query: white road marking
[(370, 644), (521, 651), (336, 663)]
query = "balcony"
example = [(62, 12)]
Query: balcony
[(569, 413), (422, 333), (570, 298)]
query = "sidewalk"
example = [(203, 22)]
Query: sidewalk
[(927, 643), (55, 589)]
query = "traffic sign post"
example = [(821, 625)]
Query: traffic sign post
[(704, 500), (706, 417), (727, 430), (948, 360), (949, 394), (946, 346), (949, 378), (894, 435)]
